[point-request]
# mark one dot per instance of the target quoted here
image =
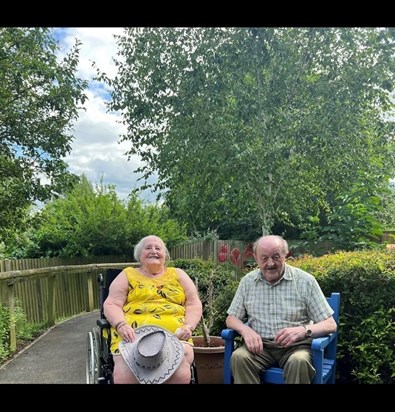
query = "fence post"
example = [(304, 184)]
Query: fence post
[(215, 251), (11, 306), (91, 302), (51, 300)]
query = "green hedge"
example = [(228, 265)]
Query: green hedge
[(366, 281)]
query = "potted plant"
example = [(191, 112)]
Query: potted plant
[(208, 349), (216, 286)]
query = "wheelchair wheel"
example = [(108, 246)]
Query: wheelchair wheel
[(92, 360), (194, 377)]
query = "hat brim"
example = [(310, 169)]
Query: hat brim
[(169, 365)]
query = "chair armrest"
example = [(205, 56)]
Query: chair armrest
[(228, 334), (324, 358), (319, 344)]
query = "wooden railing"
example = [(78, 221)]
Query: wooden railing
[(35, 263), (52, 293)]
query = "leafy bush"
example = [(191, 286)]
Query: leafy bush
[(25, 331), (4, 335), (216, 285), (366, 281), (372, 348)]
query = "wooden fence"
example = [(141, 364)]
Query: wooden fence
[(24, 264), (52, 289), (221, 251), (236, 253), (53, 293)]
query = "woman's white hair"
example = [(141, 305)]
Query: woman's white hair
[(138, 248)]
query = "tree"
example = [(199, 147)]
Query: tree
[(257, 125), (144, 219), (84, 222), (93, 221), (39, 99)]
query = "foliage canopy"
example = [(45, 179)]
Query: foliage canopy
[(92, 221), (39, 98), (258, 126)]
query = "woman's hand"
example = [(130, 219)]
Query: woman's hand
[(184, 332), (127, 332)]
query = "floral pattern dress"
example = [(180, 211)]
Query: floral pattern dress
[(152, 301)]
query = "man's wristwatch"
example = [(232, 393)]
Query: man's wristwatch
[(309, 332)]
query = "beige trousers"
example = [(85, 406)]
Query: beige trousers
[(296, 360)]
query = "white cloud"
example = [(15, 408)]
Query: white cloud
[(96, 151)]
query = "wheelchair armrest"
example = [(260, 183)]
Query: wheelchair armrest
[(103, 323)]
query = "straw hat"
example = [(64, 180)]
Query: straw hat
[(155, 354)]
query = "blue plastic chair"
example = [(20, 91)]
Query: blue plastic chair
[(324, 353)]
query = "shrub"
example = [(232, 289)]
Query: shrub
[(216, 285), (25, 331), (4, 334), (366, 281)]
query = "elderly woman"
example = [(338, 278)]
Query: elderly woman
[(152, 294)]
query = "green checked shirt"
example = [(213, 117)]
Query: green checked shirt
[(296, 299)]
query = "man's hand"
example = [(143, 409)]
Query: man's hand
[(288, 336), (252, 340)]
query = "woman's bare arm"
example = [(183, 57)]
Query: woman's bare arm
[(117, 295)]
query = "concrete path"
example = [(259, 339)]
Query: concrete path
[(58, 356)]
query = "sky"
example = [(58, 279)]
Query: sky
[(95, 149)]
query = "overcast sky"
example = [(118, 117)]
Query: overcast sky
[(95, 150)]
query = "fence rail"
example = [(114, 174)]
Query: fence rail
[(24, 264), (52, 293)]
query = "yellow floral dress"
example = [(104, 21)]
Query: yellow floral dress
[(152, 301)]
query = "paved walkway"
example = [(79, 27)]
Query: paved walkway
[(58, 356)]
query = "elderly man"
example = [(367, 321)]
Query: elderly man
[(277, 309)]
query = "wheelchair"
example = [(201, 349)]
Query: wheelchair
[(99, 362)]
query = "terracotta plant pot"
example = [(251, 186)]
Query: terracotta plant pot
[(209, 360)]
